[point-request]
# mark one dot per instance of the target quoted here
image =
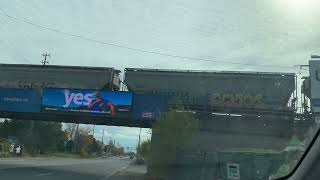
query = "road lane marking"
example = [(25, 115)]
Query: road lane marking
[(114, 172), (43, 174)]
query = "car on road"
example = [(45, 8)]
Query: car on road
[(140, 161)]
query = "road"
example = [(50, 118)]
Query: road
[(61, 168)]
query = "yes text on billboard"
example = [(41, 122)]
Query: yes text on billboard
[(106, 103)]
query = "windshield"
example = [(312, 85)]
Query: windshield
[(157, 89)]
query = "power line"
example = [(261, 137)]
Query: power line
[(134, 49), (9, 43)]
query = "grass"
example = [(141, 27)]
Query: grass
[(4, 155), (61, 155)]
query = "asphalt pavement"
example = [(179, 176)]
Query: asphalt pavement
[(61, 168)]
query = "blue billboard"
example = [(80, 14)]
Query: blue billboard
[(20, 100), (148, 107), (108, 103)]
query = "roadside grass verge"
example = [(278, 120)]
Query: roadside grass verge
[(60, 155)]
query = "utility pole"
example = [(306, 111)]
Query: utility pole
[(102, 135), (31, 133), (45, 61), (75, 140), (93, 129), (139, 140)]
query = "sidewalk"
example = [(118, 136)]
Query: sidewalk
[(132, 172)]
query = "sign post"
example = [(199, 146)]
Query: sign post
[(233, 171)]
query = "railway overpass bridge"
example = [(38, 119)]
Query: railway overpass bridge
[(255, 109)]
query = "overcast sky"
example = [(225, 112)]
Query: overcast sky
[(266, 32)]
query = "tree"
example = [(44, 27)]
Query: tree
[(144, 149), (119, 151), (35, 136), (113, 150), (171, 133), (100, 147), (69, 145), (51, 136), (93, 146), (83, 141), (61, 146), (71, 128)]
